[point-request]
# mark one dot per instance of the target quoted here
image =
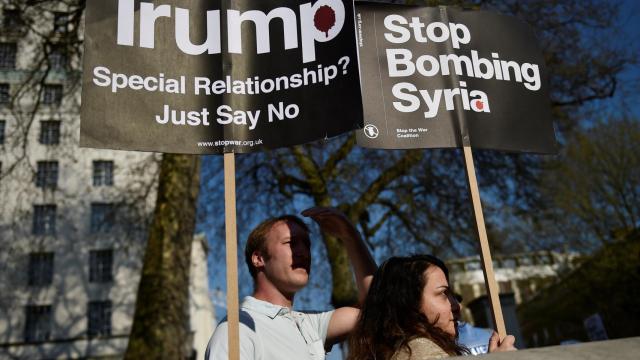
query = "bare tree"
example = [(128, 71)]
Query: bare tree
[(594, 187), (161, 322), (46, 86), (408, 200)]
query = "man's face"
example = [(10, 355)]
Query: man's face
[(288, 259)]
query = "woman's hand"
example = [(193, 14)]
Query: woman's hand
[(495, 345)]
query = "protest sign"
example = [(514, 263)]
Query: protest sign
[(438, 75), (185, 76), (442, 77)]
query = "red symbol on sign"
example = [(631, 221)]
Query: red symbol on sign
[(324, 19), (479, 104)]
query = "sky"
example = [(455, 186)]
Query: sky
[(629, 22)]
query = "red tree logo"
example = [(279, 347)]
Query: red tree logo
[(324, 19)]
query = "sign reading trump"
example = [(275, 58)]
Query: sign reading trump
[(203, 76)]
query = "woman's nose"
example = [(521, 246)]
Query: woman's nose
[(455, 305)]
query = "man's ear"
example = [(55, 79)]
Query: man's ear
[(257, 259)]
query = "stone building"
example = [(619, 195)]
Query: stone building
[(73, 221), (522, 275)]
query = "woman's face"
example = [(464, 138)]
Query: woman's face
[(438, 303)]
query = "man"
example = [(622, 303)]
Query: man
[(279, 257), (476, 339)]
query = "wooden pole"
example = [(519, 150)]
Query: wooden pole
[(485, 253), (233, 314)]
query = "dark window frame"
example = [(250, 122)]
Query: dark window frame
[(38, 323), (99, 318), (58, 59), (5, 93), (8, 55), (49, 132), (52, 94), (103, 217), (40, 268), (103, 172), (61, 22), (44, 219), (47, 174), (3, 127), (101, 266), (11, 20)]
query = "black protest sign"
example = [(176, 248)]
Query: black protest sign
[(203, 76), (438, 77)]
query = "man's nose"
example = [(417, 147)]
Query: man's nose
[(301, 250)]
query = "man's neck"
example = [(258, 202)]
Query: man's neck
[(270, 294)]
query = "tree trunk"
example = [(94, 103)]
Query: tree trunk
[(161, 322), (344, 291)]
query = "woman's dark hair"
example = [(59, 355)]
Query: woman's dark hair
[(391, 315)]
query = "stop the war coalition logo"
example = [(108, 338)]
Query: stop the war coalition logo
[(446, 74), (204, 77)]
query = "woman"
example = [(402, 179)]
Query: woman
[(411, 314)]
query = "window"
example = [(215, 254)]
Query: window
[(58, 58), (525, 289), (11, 20), (525, 261), (50, 132), (466, 290), (40, 268), (508, 263), (102, 173), (44, 219), (456, 267), (60, 22), (2, 126), (47, 175), (102, 217), (544, 259), (5, 97), (473, 265), (99, 318), (38, 324), (8, 56), (505, 287), (52, 94), (100, 265)]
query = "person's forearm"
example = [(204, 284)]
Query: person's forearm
[(335, 223), (363, 264)]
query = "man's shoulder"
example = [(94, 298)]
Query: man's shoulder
[(218, 344), (245, 319)]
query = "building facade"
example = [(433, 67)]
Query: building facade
[(521, 275), (73, 221)]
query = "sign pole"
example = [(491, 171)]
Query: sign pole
[(233, 314), (485, 253)]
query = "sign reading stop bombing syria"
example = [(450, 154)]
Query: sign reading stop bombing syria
[(201, 76), (441, 77)]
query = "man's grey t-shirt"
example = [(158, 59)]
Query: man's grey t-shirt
[(273, 332)]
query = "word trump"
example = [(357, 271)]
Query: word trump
[(320, 22)]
